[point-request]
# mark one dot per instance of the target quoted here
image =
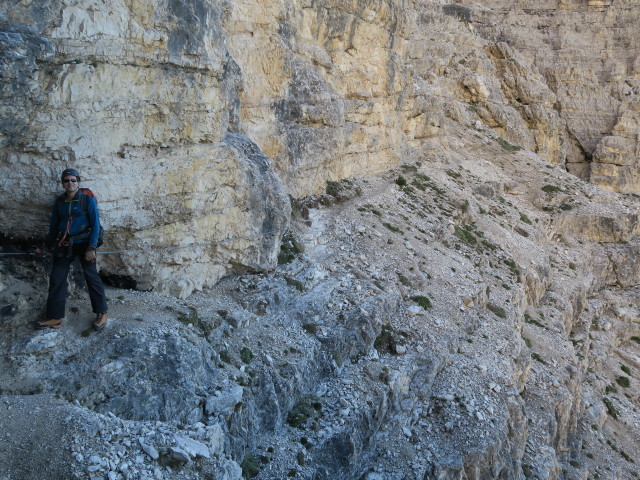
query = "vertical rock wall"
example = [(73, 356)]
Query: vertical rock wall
[(141, 96), (589, 54)]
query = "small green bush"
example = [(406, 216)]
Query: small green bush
[(513, 266), (551, 189), (393, 228), (525, 219), (538, 358), (623, 381), (497, 310), (611, 409), (401, 181), (246, 355), (464, 234), (310, 327), (225, 356), (190, 318), (386, 342), (626, 457), (507, 146), (423, 301), (250, 466), (288, 250), (625, 369), (307, 407)]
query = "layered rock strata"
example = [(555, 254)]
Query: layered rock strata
[(325, 90), (589, 54)]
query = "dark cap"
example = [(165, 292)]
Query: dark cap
[(70, 171)]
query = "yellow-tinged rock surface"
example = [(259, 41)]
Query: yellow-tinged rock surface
[(140, 96)]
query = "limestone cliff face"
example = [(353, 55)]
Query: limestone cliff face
[(172, 108), (141, 98), (509, 285), (589, 55)]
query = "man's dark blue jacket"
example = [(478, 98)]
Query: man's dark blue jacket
[(82, 221)]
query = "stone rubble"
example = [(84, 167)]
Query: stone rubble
[(509, 384), (449, 302)]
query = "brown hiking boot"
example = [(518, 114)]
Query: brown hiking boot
[(100, 321), (49, 323)]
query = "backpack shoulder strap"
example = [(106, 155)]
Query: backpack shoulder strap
[(83, 200)]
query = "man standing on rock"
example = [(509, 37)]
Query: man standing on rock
[(73, 232)]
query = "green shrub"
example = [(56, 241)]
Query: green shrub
[(246, 355), (393, 228), (307, 407), (465, 234), (611, 409), (497, 310), (225, 356), (288, 249), (250, 466), (507, 146), (423, 301), (538, 358), (386, 342), (190, 318), (623, 381), (310, 327), (525, 219), (513, 266), (551, 189), (401, 181), (626, 457)]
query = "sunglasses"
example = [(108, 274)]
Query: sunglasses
[(69, 180)]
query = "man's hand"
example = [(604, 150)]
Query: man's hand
[(90, 254)]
